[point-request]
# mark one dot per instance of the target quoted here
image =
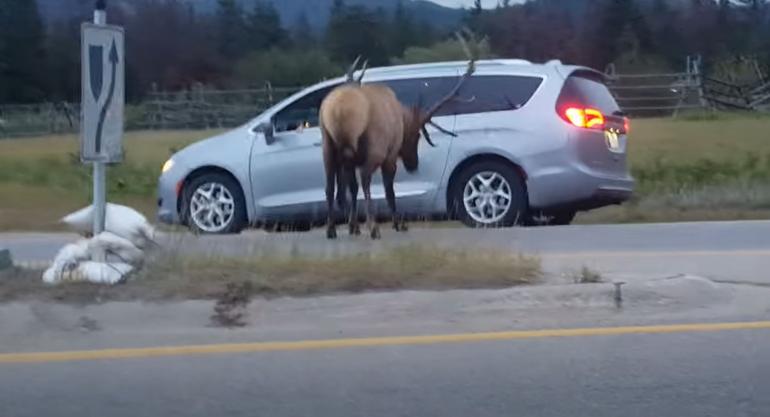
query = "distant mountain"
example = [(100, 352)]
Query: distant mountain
[(317, 11)]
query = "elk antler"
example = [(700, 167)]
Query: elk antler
[(452, 94), (352, 69), (363, 71), (426, 118)]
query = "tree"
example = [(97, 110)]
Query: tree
[(619, 17), (170, 47), (403, 31), (232, 40), (474, 19), (63, 52), (303, 35), (477, 9), (354, 31), (263, 27), (22, 52)]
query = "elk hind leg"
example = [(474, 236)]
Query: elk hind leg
[(388, 178), (330, 167), (350, 175), (366, 184)]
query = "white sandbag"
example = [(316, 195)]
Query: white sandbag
[(73, 253), (120, 220), (55, 273), (101, 273), (96, 272), (112, 244)]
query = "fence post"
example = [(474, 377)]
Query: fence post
[(269, 90), (697, 72)]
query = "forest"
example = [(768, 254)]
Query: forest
[(172, 45)]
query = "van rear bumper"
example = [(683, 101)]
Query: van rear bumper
[(577, 188), (602, 197)]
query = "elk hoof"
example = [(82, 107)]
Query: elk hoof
[(331, 233), (355, 230), (403, 227), (376, 233)]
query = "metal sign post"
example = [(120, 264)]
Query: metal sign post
[(102, 101)]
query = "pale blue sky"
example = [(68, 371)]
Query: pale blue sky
[(468, 3)]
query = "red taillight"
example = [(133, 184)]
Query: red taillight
[(626, 124), (576, 116), (584, 117)]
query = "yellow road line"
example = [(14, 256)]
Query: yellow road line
[(40, 357), (654, 254)]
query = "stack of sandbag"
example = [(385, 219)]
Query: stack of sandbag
[(108, 257)]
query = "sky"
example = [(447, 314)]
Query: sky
[(466, 3)]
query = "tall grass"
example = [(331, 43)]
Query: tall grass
[(174, 275)]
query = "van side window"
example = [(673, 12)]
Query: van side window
[(425, 91), (489, 93), (303, 112), (480, 94)]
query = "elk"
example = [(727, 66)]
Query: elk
[(365, 126)]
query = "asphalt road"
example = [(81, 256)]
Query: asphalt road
[(722, 373), (729, 251), (60, 360)]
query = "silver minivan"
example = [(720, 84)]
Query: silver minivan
[(534, 144)]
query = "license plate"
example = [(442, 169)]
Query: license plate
[(613, 139)]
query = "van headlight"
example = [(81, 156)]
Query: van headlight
[(167, 166)]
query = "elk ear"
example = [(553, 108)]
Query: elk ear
[(427, 137)]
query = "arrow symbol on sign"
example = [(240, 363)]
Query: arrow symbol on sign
[(96, 59), (114, 59)]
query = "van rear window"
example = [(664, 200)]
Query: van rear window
[(585, 91)]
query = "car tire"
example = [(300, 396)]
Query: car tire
[(555, 218), (224, 200), (561, 218), (503, 202)]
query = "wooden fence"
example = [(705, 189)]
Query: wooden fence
[(668, 94), (640, 95)]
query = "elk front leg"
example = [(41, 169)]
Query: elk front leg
[(330, 167), (366, 183), (350, 175), (388, 177)]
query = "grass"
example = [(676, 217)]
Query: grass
[(587, 275), (685, 168), (171, 276), (703, 166), (41, 179)]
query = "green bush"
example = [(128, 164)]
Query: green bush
[(285, 68), (450, 50)]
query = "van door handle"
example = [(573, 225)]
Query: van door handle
[(317, 144)]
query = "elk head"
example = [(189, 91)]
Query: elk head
[(415, 119)]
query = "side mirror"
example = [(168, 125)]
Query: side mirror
[(267, 129)]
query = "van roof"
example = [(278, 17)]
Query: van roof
[(481, 65)]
